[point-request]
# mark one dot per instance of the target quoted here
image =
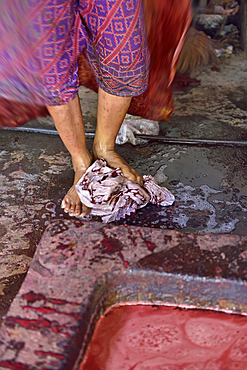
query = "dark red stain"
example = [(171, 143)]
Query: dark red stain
[(16, 345), (62, 302), (159, 337), (45, 310), (167, 238), (53, 354), (33, 324), (78, 223), (41, 309), (69, 247), (181, 82), (188, 258), (151, 246), (215, 69), (111, 245), (32, 297), (57, 329), (62, 247), (132, 238), (13, 365), (37, 324), (49, 206)]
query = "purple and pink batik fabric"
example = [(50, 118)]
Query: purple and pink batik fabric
[(41, 41)]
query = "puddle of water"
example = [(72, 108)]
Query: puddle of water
[(200, 208), (167, 338), (209, 185)]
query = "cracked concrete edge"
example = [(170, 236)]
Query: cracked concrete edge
[(82, 268)]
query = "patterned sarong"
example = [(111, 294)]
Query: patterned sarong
[(41, 41)]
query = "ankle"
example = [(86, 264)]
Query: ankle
[(82, 163), (100, 148)]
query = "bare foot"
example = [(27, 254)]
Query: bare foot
[(111, 113), (71, 202), (114, 160), (69, 123)]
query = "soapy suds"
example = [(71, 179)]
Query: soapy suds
[(194, 206)]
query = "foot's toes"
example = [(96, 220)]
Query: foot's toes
[(85, 212), (78, 209), (72, 210), (65, 204), (71, 203), (73, 206), (81, 210), (68, 206)]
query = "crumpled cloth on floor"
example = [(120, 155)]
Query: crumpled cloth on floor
[(133, 126), (110, 195)]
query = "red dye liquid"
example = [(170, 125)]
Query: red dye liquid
[(165, 338)]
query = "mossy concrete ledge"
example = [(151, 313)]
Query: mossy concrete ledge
[(81, 268)]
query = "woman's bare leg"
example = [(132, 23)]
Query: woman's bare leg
[(69, 123), (110, 115)]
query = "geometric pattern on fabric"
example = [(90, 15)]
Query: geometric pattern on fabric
[(117, 48), (42, 40), (57, 29)]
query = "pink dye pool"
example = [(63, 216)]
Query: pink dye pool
[(165, 338)]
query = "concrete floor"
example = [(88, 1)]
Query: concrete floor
[(209, 183), (82, 269)]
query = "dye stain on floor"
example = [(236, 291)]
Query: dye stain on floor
[(209, 183), (164, 338)]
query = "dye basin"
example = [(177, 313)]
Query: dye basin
[(164, 338), (81, 269)]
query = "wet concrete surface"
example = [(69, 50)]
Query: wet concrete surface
[(81, 269), (209, 183), (32, 166)]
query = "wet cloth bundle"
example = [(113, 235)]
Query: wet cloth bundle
[(110, 195)]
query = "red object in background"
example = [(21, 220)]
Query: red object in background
[(167, 338), (167, 23), (13, 114)]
